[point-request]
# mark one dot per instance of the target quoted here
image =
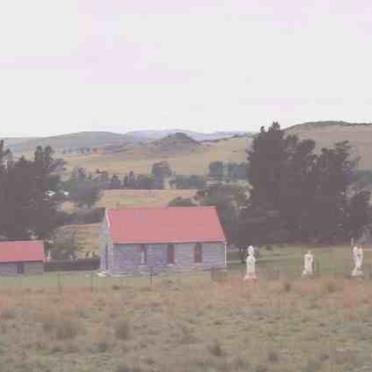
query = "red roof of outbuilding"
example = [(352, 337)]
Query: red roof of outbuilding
[(165, 225), (22, 251)]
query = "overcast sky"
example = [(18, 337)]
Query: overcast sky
[(120, 65)]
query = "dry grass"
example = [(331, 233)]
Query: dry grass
[(189, 323), (86, 237), (141, 198), (140, 160), (360, 137)]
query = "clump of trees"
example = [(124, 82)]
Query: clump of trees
[(229, 171), (189, 182), (298, 194), (28, 206), (83, 188)]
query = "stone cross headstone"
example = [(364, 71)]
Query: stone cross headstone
[(251, 267), (308, 264), (358, 261)]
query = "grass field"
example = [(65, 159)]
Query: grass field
[(184, 322), (141, 198)]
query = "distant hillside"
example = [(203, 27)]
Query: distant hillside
[(151, 135), (176, 142), (327, 133), (114, 141), (69, 141), (185, 155)]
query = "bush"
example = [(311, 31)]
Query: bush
[(216, 349), (190, 182), (94, 215), (61, 327), (122, 329), (66, 329)]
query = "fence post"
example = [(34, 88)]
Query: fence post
[(151, 274), (59, 282), (91, 282)]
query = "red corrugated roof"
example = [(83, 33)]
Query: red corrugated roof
[(22, 251), (165, 225)]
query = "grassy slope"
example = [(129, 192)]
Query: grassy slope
[(70, 141), (196, 161), (140, 159), (359, 135), (184, 323)]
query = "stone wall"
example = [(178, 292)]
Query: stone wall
[(127, 258)]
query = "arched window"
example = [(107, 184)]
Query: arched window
[(170, 254), (143, 254), (198, 253)]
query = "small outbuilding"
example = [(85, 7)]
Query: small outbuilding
[(166, 238), (21, 257)]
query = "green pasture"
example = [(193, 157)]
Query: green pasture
[(272, 263)]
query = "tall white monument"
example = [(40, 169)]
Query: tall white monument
[(308, 264), (358, 261), (251, 267)]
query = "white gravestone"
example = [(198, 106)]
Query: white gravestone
[(251, 251), (308, 264), (251, 268), (358, 261)]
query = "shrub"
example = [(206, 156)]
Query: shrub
[(66, 329), (61, 327), (122, 329), (287, 286), (330, 286), (216, 349)]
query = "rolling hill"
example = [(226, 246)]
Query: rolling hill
[(327, 133), (185, 155), (137, 151), (69, 141), (98, 139)]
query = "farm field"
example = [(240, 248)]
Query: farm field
[(141, 198), (184, 322)]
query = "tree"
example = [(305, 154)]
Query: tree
[(228, 200), (161, 170), (297, 194), (115, 182), (216, 170), (26, 208), (85, 193)]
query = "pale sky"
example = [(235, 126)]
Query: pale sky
[(120, 65)]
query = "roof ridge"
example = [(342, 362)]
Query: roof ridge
[(163, 207)]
